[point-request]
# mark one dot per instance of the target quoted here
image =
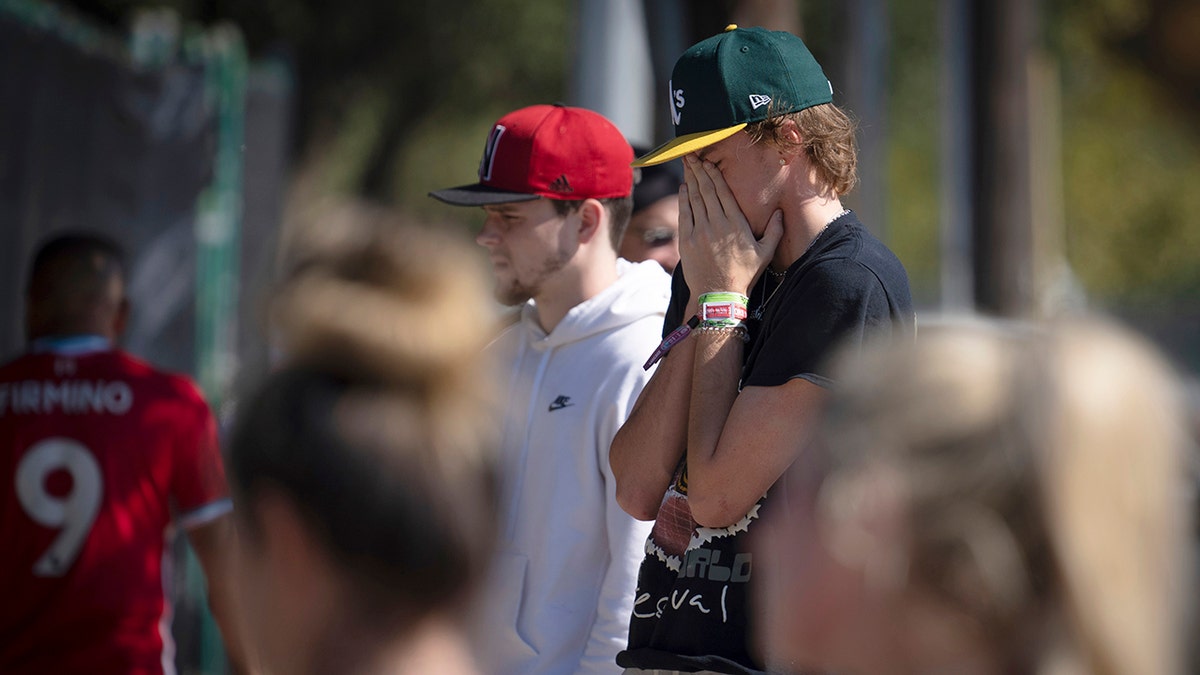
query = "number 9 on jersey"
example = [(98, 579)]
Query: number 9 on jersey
[(73, 512)]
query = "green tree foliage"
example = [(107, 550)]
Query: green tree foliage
[(395, 98), (391, 90), (1129, 72), (1131, 146), (379, 77), (912, 144)]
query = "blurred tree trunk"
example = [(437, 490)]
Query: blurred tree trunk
[(772, 14), (955, 199), (668, 27), (1001, 42), (709, 17), (858, 70)]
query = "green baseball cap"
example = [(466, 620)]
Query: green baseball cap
[(734, 78)]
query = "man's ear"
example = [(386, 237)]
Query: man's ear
[(593, 219), (791, 141)]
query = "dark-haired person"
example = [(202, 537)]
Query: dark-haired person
[(774, 273), (653, 232), (100, 454), (363, 467), (554, 185)]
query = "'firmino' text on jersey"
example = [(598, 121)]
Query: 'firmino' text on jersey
[(73, 397)]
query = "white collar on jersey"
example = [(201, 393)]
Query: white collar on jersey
[(71, 345)]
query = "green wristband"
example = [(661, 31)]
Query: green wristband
[(723, 296)]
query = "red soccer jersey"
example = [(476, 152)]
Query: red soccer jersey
[(99, 454)]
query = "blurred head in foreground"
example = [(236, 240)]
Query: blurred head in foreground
[(362, 467), (993, 499)]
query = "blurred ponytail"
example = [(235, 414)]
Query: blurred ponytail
[(375, 424)]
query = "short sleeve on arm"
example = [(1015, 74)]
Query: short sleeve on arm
[(198, 488), (680, 294), (836, 303)]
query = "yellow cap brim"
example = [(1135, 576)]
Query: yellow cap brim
[(682, 145)]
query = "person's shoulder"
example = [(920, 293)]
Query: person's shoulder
[(645, 273), (873, 253), (837, 270), (16, 366), (159, 381), (856, 253), (838, 280), (626, 343), (645, 283), (618, 352), (615, 360)]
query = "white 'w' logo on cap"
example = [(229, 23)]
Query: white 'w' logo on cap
[(489, 152), (758, 100)]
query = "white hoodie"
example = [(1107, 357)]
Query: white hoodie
[(561, 591)]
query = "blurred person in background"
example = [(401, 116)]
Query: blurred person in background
[(363, 466), (995, 499), (774, 272), (101, 457), (653, 232), (555, 185)]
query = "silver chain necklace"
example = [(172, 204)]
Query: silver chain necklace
[(757, 314)]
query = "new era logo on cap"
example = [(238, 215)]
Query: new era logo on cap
[(758, 100), (552, 151)]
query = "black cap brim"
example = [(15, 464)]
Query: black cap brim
[(478, 194)]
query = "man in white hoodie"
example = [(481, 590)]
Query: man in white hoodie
[(555, 184)]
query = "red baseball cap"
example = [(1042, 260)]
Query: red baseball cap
[(551, 151)]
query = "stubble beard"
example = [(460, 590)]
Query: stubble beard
[(517, 292)]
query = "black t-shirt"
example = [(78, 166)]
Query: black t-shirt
[(690, 610)]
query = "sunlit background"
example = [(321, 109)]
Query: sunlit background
[(1022, 158)]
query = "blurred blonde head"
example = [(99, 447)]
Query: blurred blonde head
[(363, 467), (996, 498)]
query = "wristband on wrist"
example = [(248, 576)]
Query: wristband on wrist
[(722, 296), (722, 313), (738, 329), (673, 338), (722, 309)]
